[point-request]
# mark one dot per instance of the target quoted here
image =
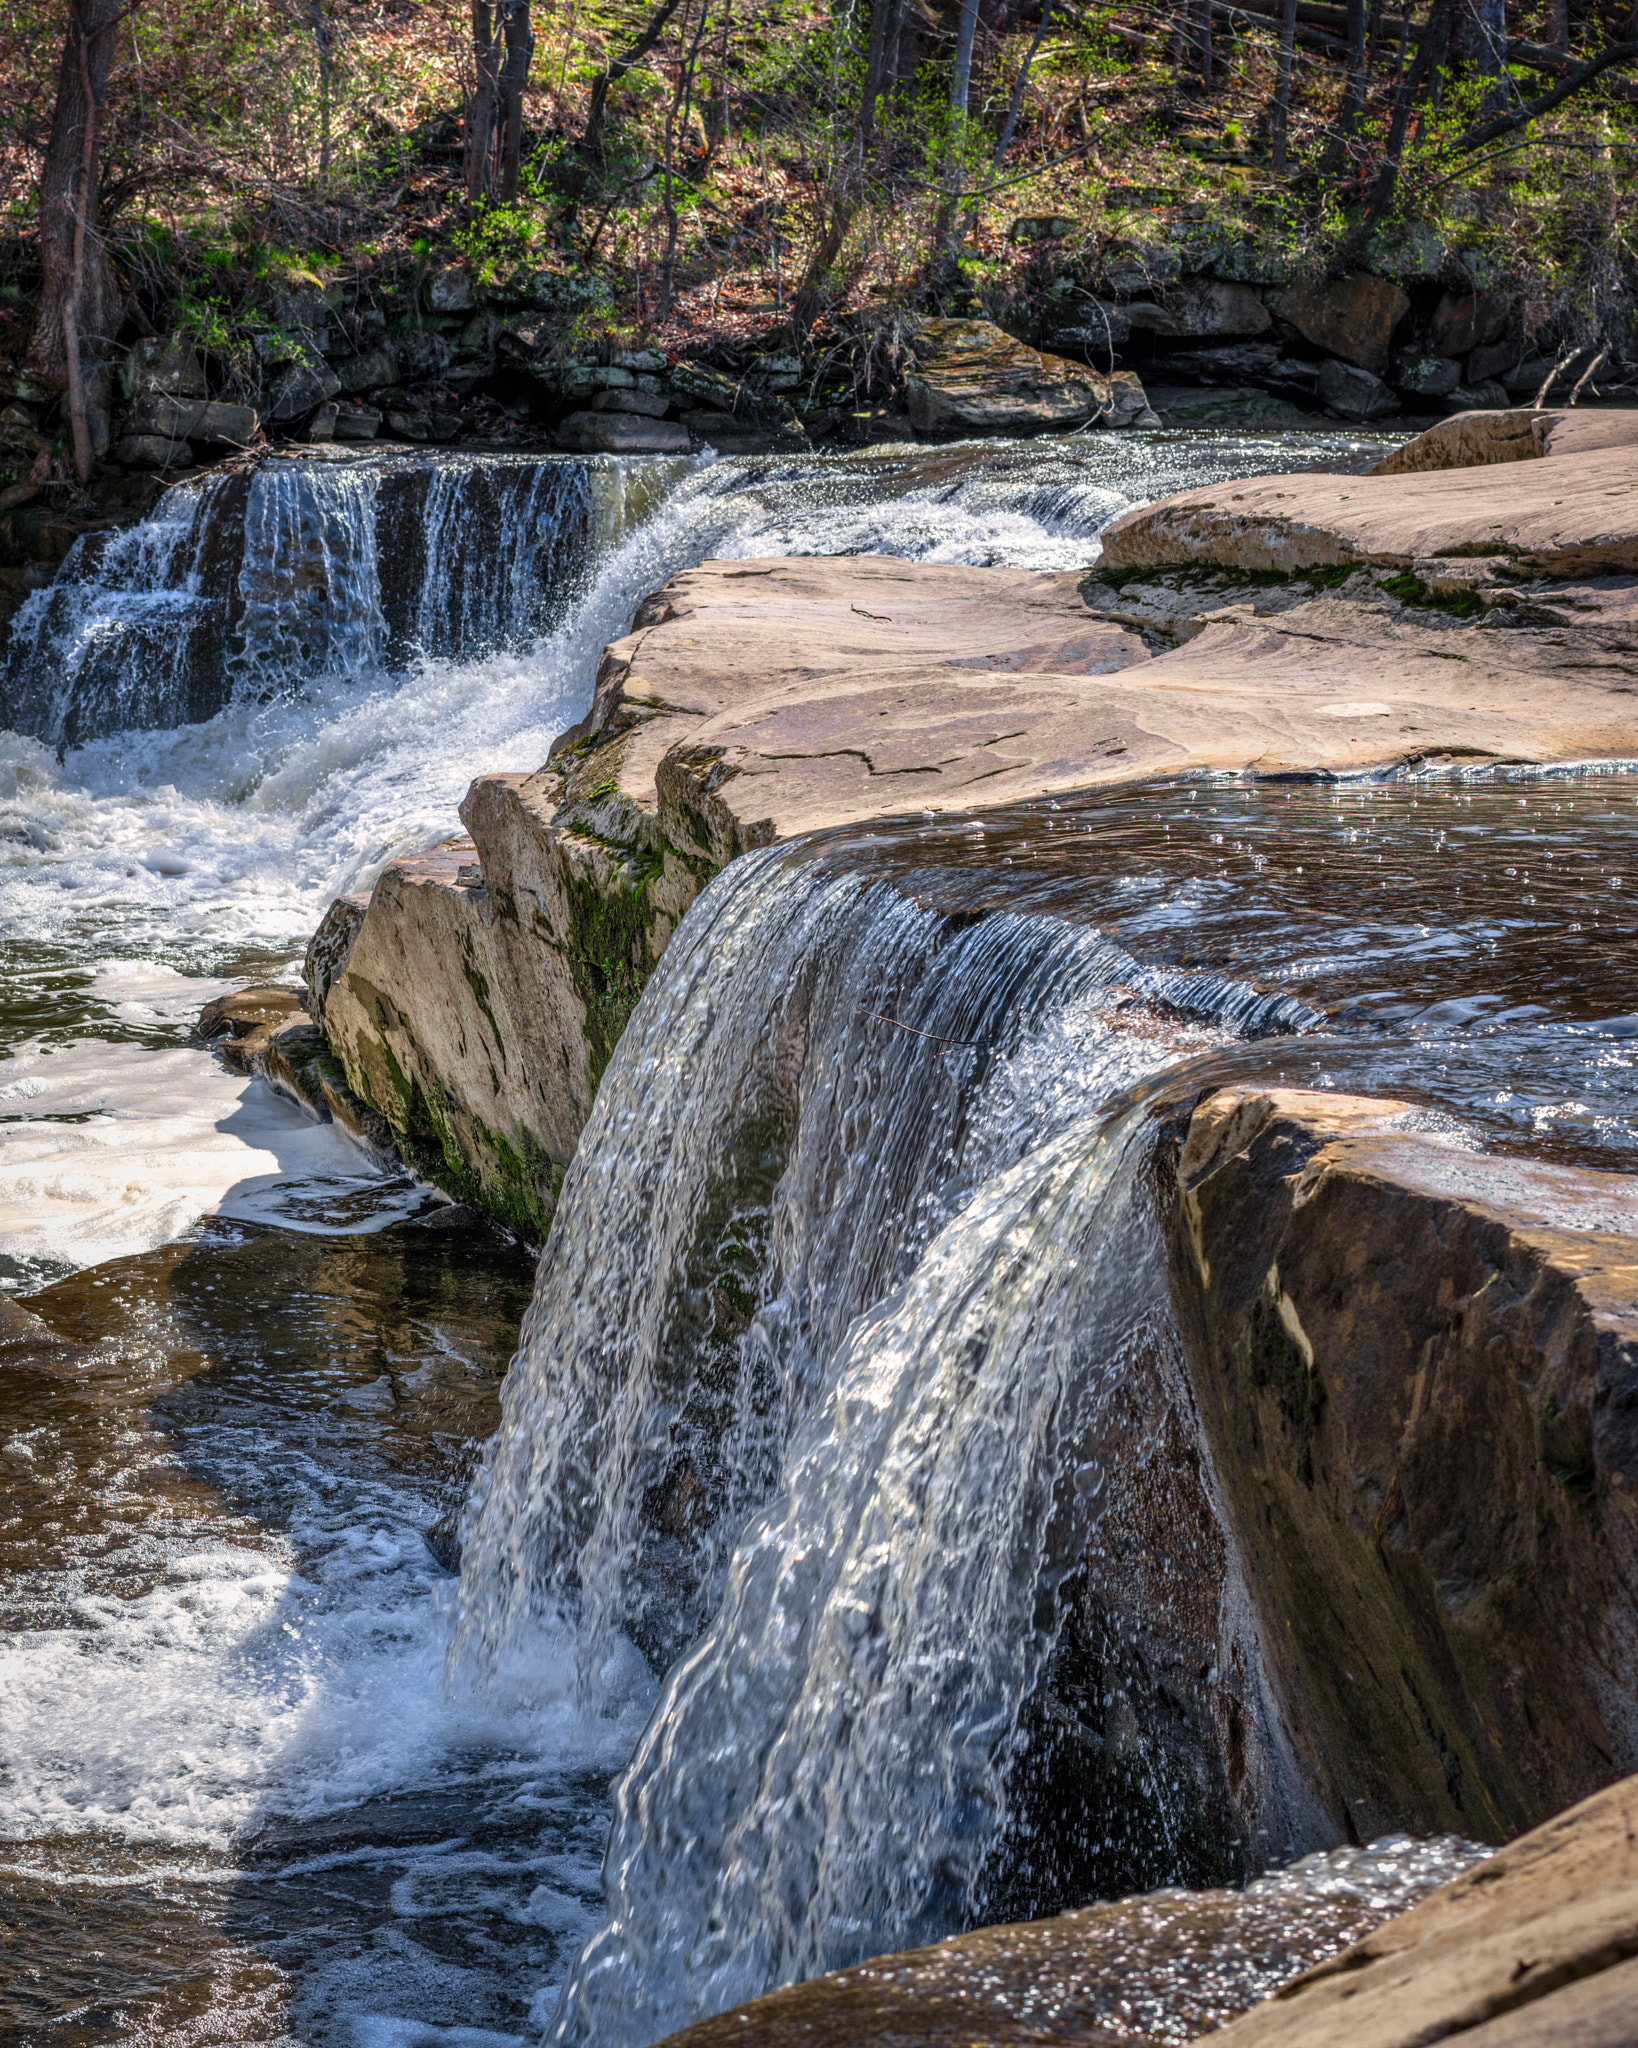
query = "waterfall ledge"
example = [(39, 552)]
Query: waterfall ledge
[(476, 998)]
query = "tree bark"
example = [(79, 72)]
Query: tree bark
[(961, 78), (480, 112), (520, 50), (78, 312), (1558, 25), (1281, 121)]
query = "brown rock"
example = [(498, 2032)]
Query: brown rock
[(246, 1010), (1463, 321), (1417, 1370), (1537, 1948), (972, 378), (1353, 317), (1556, 518)]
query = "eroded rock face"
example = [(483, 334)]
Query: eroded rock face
[(972, 378), (1574, 514), (1417, 1370)]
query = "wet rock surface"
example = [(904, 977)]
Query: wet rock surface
[(1417, 1370), (1378, 620)]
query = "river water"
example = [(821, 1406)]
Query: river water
[(270, 1772)]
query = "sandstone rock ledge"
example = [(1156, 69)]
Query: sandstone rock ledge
[(1412, 1412), (475, 999)]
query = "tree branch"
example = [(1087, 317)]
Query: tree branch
[(1584, 74)]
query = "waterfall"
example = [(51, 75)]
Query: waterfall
[(257, 582), (855, 1242)]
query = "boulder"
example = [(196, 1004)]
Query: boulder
[(421, 353), (368, 372), (151, 451), (248, 1009), (1238, 362), (1352, 317), (1128, 402), (1463, 321), (1537, 1948), (972, 378), (356, 423), (1354, 393), (206, 421), (322, 426), (621, 433), (1499, 362), (651, 405), (708, 387), (1575, 514), (450, 290), (1489, 397), (164, 364), (1425, 376), (303, 387), (408, 426), (1207, 306)]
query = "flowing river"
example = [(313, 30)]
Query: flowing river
[(316, 1721)]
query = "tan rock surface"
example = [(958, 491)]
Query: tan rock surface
[(1536, 1949), (971, 377), (475, 1003), (1556, 517)]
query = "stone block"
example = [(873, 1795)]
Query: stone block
[(357, 423), (970, 377), (203, 420), (1425, 376), (1498, 362), (1207, 306), (621, 433), (651, 405), (450, 290), (1353, 317), (322, 426), (164, 364), (151, 451), (1353, 392), (366, 372), (302, 388)]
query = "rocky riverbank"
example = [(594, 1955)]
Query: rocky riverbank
[(1314, 625)]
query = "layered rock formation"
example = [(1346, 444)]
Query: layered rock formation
[(1313, 624), (1379, 1558)]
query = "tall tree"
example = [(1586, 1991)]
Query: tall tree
[(79, 306)]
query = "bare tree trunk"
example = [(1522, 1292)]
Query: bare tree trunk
[(480, 112), (677, 117), (1431, 49), (1558, 24), (961, 78), (322, 43), (1281, 121), (520, 50), (79, 296)]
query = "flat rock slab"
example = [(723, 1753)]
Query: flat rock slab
[(1574, 512), (764, 699)]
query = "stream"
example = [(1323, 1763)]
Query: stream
[(328, 1714)]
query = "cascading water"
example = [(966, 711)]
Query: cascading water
[(813, 1409), (254, 582), (894, 1250)]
